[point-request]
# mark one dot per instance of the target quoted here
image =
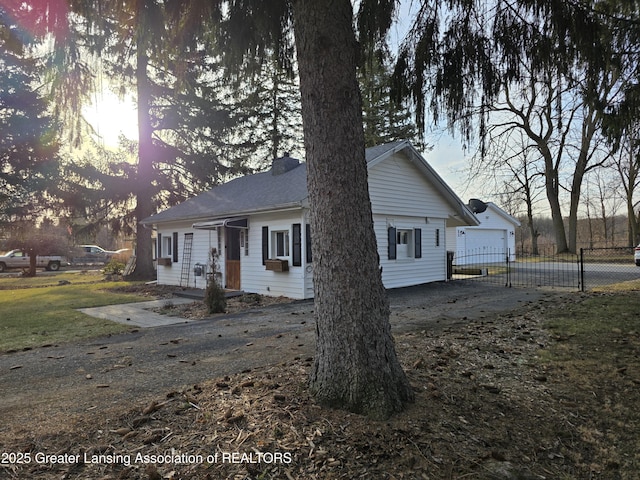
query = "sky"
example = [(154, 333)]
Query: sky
[(110, 116)]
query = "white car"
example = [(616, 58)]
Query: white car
[(636, 255), (20, 259)]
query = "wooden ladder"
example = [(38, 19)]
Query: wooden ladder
[(130, 266), (186, 259)]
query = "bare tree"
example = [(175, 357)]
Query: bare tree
[(512, 167), (563, 127), (627, 165), (603, 196)]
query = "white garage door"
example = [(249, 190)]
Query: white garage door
[(485, 245)]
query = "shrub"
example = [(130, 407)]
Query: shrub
[(113, 267), (214, 297)]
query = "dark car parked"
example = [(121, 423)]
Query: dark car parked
[(90, 254)]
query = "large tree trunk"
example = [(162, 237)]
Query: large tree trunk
[(533, 231), (33, 259), (552, 186), (574, 204), (355, 367), (588, 130), (144, 269)]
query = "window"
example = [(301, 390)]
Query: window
[(284, 244), (280, 243), (404, 243), (437, 237), (244, 242), (166, 246), (403, 237)]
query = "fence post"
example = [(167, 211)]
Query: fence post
[(508, 281), (581, 287)]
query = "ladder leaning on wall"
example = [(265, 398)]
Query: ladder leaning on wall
[(186, 259)]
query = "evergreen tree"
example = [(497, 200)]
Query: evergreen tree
[(356, 366), (28, 144), (96, 190), (270, 103), (385, 119)]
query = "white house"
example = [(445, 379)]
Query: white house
[(489, 242), (260, 226)]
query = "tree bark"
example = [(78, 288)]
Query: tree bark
[(144, 269), (552, 187), (589, 125), (355, 367)]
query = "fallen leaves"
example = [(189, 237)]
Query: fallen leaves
[(487, 406)]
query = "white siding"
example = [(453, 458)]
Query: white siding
[(452, 238), (403, 272), (402, 197), (396, 186), (254, 277), (203, 240)]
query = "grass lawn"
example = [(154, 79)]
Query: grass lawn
[(38, 311), (595, 347)]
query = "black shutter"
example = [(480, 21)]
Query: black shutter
[(308, 243), (297, 244), (417, 235), (391, 234), (159, 252), (175, 246), (265, 244)]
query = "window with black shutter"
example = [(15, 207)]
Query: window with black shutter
[(391, 234), (175, 247), (265, 244), (307, 234), (296, 230)]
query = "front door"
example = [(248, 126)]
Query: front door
[(232, 258)]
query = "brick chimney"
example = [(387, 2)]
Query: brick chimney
[(284, 164)]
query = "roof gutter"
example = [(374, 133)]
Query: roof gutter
[(230, 215)]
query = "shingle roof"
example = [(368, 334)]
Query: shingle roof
[(265, 191), (257, 192)]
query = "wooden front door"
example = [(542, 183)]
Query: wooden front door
[(232, 258)]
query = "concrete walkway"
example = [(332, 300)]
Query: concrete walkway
[(139, 314)]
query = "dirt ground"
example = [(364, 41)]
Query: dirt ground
[(489, 405)]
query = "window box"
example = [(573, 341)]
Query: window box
[(277, 265), (165, 262)]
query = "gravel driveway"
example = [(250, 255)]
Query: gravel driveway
[(103, 373)]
